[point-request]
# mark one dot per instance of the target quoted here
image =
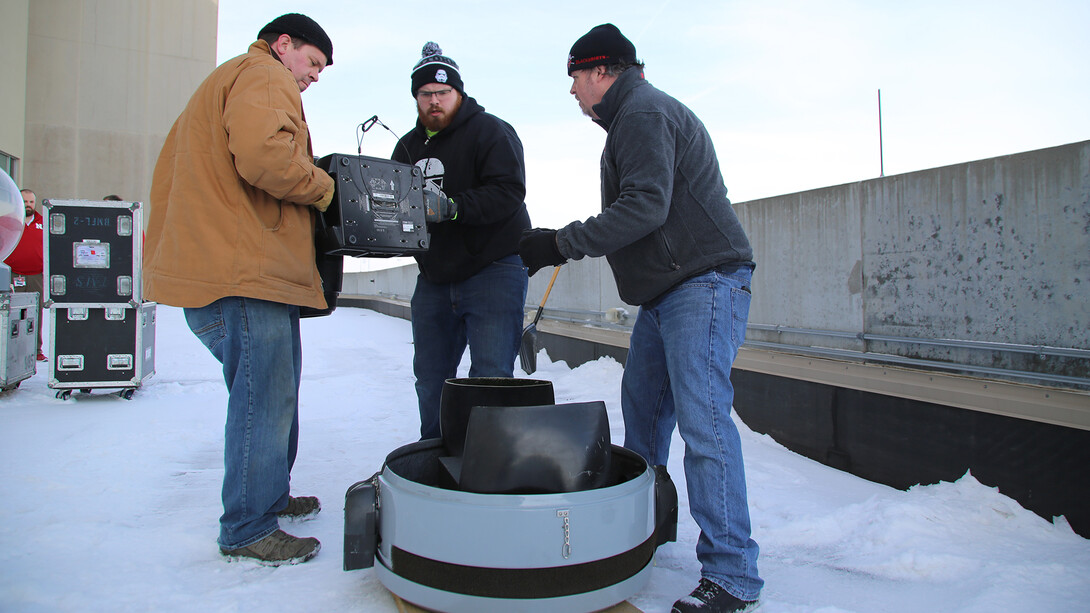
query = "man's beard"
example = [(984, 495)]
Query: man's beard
[(435, 124)]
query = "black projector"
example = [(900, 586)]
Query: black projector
[(377, 209)]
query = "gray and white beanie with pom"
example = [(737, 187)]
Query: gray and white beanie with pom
[(434, 67)]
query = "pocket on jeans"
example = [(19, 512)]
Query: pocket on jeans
[(207, 325), (739, 308)]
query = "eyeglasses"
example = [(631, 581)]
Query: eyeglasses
[(442, 93)]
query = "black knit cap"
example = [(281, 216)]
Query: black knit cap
[(603, 45), (301, 26), (434, 67)]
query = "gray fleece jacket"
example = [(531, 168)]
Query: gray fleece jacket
[(665, 213)]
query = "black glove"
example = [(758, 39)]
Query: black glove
[(538, 249), (439, 208)]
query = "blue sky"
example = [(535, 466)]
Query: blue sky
[(788, 89)]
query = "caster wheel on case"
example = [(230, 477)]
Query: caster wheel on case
[(127, 394), (64, 394)]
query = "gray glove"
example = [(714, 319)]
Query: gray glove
[(439, 208)]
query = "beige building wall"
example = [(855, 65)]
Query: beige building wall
[(105, 80), (13, 70)]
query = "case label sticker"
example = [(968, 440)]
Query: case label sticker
[(91, 254)]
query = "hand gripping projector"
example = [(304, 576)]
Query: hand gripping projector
[(534, 511)]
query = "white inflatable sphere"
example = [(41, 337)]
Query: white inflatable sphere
[(12, 215)]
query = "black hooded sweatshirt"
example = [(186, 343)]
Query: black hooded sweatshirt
[(476, 161)]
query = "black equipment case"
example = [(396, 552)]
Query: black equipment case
[(101, 332), (93, 252), (111, 347)]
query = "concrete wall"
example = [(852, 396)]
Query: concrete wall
[(13, 73), (989, 252), (993, 251), (808, 249), (105, 80)]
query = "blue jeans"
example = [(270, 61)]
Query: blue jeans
[(485, 311), (678, 373), (259, 345)]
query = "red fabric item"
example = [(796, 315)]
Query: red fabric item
[(27, 257)]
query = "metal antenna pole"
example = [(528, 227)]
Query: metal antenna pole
[(881, 153)]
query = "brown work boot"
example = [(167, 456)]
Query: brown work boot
[(303, 507), (276, 549)]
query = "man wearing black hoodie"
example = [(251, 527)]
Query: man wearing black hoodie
[(471, 289)]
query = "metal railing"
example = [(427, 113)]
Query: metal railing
[(1039, 350)]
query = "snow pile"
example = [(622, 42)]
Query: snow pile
[(113, 505)]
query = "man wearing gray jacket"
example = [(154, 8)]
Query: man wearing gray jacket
[(677, 250)]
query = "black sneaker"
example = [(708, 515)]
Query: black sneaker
[(709, 597), (276, 549), (303, 507)]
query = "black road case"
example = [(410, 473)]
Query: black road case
[(93, 252), (105, 347)]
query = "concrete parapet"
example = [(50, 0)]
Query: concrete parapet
[(979, 269)]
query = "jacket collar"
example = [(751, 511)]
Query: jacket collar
[(261, 48), (607, 109), (259, 45)]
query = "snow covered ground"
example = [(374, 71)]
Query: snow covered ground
[(112, 505)]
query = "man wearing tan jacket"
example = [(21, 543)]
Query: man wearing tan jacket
[(230, 239)]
